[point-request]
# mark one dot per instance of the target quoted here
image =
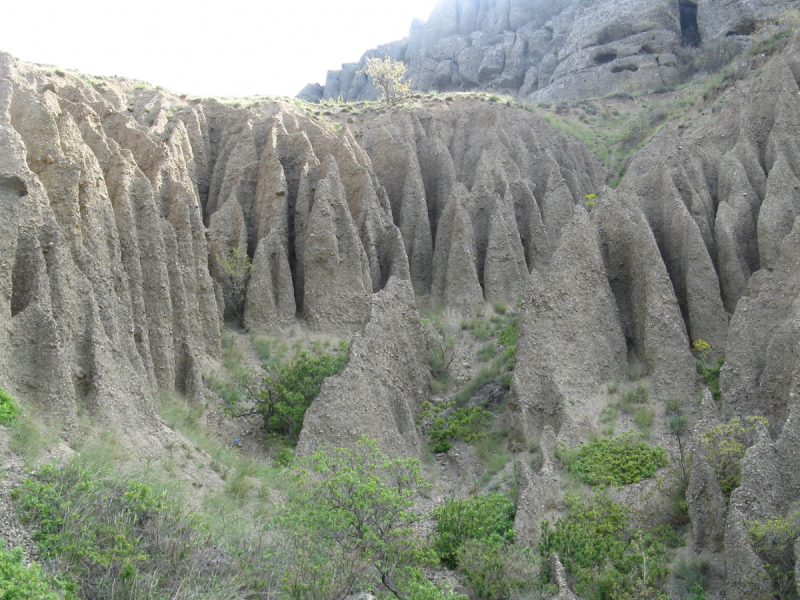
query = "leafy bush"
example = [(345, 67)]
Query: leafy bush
[(709, 372), (467, 424), (389, 76), (119, 538), (18, 582), (710, 376), (353, 527), (774, 541), (508, 335), (8, 408), (710, 58), (487, 352), (235, 265), (614, 461), (605, 558), (496, 570), (487, 519), (692, 578), (285, 393), (725, 446)]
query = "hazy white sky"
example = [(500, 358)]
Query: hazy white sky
[(222, 48)]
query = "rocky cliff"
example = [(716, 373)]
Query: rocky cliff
[(549, 50)]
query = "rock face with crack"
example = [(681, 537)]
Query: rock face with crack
[(552, 51)]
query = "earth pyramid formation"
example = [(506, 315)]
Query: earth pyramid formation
[(121, 201)]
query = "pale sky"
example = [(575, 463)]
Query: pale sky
[(223, 48)]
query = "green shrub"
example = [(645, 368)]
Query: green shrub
[(644, 417), (121, 538), (496, 571), (630, 399), (487, 352), (725, 446), (508, 335), (8, 408), (774, 542), (467, 424), (441, 350), (613, 461), (282, 397), (353, 527), (710, 376), (605, 558), (710, 58), (692, 578), (18, 582), (263, 347), (487, 519)]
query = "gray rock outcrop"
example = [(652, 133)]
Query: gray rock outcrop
[(541, 494), (379, 392), (570, 340), (105, 280), (338, 283), (552, 50)]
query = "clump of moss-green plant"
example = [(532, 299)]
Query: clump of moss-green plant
[(724, 447), (631, 401), (8, 408), (692, 577), (21, 582), (613, 460), (603, 554), (441, 352), (468, 424), (114, 537), (774, 542), (486, 518), (708, 370), (282, 396)]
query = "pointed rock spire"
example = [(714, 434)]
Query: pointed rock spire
[(505, 267), (337, 274), (455, 277)]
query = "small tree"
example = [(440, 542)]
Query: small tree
[(236, 265), (353, 528), (678, 425), (389, 76), (284, 394)]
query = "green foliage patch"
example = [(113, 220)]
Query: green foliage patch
[(486, 519), (8, 408), (353, 528), (18, 582), (725, 446), (468, 424), (613, 460), (121, 538), (773, 541), (284, 394), (604, 556), (692, 577)]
